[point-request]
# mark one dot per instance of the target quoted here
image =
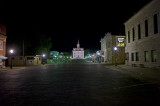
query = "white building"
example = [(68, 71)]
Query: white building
[(143, 36), (78, 53), (107, 49)]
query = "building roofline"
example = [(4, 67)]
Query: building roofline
[(139, 11)]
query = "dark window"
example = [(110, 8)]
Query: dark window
[(146, 56), (30, 58), (126, 56), (137, 56), (139, 31), (153, 55), (146, 28), (155, 24), (133, 34), (128, 37), (132, 55)]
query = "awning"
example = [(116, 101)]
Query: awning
[(3, 57)]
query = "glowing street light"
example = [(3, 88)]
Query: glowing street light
[(11, 52), (44, 55), (115, 49), (43, 59)]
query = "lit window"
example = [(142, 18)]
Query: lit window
[(153, 55), (146, 56)]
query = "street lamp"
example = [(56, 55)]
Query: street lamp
[(11, 51), (115, 49), (43, 55), (43, 58)]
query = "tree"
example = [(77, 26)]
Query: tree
[(34, 43)]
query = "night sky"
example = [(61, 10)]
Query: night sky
[(66, 22)]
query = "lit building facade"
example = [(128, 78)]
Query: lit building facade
[(29, 60), (78, 53), (109, 55), (143, 36), (2, 45)]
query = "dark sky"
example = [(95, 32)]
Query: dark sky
[(66, 22)]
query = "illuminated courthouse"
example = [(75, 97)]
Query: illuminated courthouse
[(143, 36), (78, 53), (110, 56)]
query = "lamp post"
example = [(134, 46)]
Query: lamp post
[(115, 49), (98, 56), (43, 56), (11, 51)]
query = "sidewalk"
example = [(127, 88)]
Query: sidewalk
[(7, 68), (141, 73), (13, 68)]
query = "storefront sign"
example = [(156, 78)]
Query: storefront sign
[(120, 41)]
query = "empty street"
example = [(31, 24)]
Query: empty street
[(77, 83)]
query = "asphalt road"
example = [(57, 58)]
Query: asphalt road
[(75, 84)]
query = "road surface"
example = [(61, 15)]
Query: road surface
[(77, 83)]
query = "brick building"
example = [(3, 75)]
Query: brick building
[(143, 36), (107, 48), (2, 45)]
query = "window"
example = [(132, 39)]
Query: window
[(133, 34), (155, 24), (1, 45), (137, 56), (146, 56), (126, 56), (132, 55), (128, 37), (153, 55), (146, 28), (139, 31)]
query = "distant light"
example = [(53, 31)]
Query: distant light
[(11, 51), (115, 48), (43, 55)]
